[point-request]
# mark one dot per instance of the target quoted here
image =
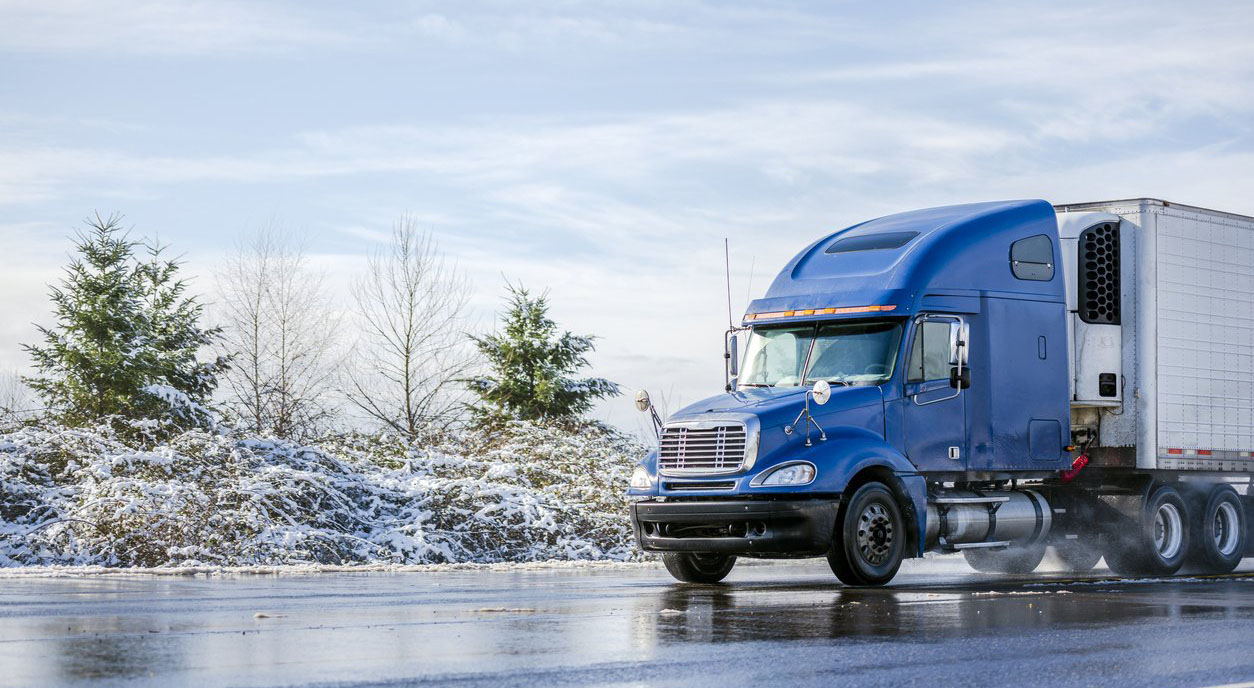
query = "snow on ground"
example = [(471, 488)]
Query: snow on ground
[(204, 502), (317, 569)]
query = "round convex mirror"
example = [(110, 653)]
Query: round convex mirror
[(642, 401), (822, 392)]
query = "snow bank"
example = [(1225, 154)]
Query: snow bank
[(526, 493)]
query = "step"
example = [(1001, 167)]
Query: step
[(981, 545), (971, 500)]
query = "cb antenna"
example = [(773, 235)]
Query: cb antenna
[(727, 268)]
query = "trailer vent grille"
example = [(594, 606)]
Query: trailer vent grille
[(687, 449), (1099, 293)]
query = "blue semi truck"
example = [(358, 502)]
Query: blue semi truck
[(995, 379)]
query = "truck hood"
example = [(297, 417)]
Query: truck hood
[(777, 406)]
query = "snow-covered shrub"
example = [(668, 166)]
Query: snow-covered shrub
[(521, 493)]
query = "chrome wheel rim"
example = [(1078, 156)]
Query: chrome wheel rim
[(1167, 530), (875, 534), (1227, 529)]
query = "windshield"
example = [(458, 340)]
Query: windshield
[(848, 353)]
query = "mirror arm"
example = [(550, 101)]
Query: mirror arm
[(809, 419)]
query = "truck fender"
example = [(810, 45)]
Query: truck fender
[(853, 451)]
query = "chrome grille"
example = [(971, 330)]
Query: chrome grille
[(697, 449)]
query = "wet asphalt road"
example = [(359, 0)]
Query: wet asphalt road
[(939, 624)]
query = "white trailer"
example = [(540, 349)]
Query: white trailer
[(1163, 377)]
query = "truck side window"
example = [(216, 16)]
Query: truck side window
[(1033, 258), (929, 354)]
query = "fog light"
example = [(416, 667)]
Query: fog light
[(795, 473), (640, 479)]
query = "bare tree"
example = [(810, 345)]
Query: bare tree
[(282, 332), (17, 402), (413, 350)]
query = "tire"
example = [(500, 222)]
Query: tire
[(1017, 560), (870, 537), (1218, 534), (1157, 542), (1080, 555), (698, 568)]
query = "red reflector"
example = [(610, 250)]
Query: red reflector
[(1175, 451), (1203, 452)]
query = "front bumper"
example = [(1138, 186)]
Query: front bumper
[(802, 527)]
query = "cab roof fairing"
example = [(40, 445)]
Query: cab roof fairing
[(959, 249)]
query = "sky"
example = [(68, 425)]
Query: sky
[(600, 150)]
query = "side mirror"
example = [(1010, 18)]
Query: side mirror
[(822, 392), (645, 405), (959, 343), (731, 361), (960, 381), (643, 402)]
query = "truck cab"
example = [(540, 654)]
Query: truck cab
[(906, 386)]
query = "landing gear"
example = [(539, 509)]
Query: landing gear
[(698, 568), (1218, 533), (1018, 560), (871, 537), (1157, 541)]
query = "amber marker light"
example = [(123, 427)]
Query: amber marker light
[(820, 311)]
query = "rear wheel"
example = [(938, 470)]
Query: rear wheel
[(1078, 555), (1157, 542), (698, 568), (1008, 560), (870, 537), (1218, 533)]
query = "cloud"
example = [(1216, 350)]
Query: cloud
[(161, 27), (605, 153)]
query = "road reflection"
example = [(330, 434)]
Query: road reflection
[(111, 648), (742, 613)]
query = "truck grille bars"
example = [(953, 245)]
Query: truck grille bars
[(696, 450)]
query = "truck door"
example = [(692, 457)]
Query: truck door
[(935, 410)]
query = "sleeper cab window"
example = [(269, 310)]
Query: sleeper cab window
[(1033, 258)]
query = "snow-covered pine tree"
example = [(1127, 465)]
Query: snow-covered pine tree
[(127, 337), (532, 366)]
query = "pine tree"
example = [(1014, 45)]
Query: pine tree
[(532, 366), (127, 337)]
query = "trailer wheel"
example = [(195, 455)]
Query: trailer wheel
[(698, 568), (1218, 537), (1157, 543), (1008, 560), (1079, 555), (870, 537)]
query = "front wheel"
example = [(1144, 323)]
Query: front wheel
[(870, 538), (698, 568)]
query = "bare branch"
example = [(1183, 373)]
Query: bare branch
[(283, 332), (411, 307)]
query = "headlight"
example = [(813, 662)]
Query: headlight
[(640, 479), (795, 473)]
